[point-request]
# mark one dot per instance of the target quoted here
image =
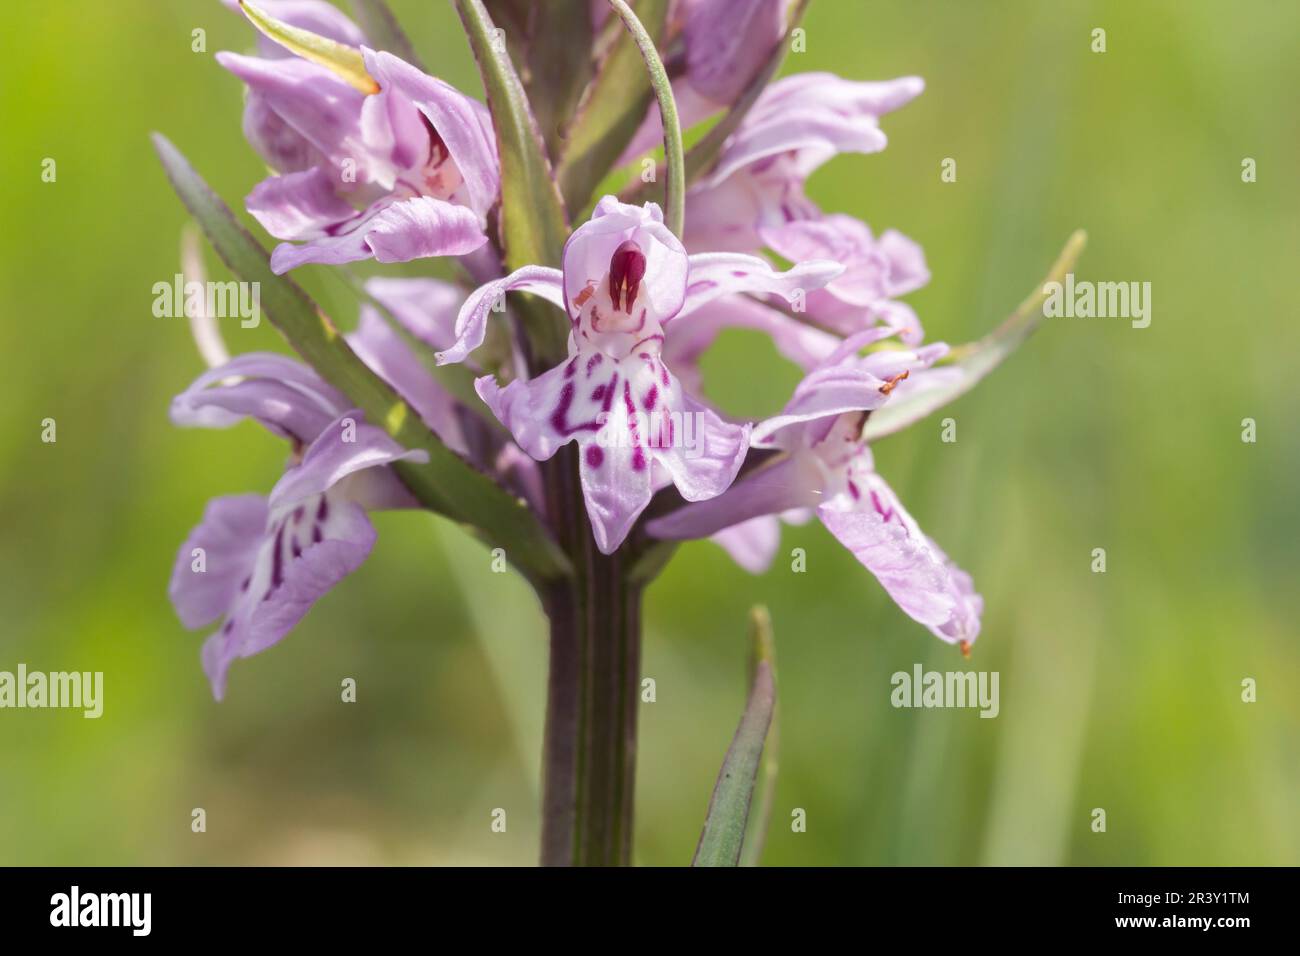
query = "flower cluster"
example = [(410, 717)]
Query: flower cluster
[(405, 167)]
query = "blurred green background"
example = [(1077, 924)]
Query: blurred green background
[(1119, 690)]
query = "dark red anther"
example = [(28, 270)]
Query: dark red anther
[(626, 268)]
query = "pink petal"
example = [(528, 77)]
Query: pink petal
[(725, 217), (384, 351), (391, 231), (875, 270), (752, 544), (813, 116), (301, 555), (463, 124), (422, 228), (317, 105), (345, 446), (549, 411), (716, 274), (616, 490), (229, 536), (825, 393), (426, 307), (297, 206), (471, 324), (911, 568), (792, 481), (728, 41), (802, 344), (588, 251), (282, 394), (348, 537), (704, 458)]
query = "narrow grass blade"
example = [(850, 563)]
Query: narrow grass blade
[(723, 836)]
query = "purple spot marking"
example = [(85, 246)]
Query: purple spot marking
[(559, 417), (595, 456), (648, 338), (638, 453), (277, 562)]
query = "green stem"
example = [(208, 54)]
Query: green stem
[(589, 752), (675, 181)]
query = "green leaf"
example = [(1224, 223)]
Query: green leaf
[(723, 836), (344, 60), (533, 222), (513, 17), (611, 111), (558, 65), (551, 42), (383, 31), (701, 157), (447, 484), (975, 359)]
